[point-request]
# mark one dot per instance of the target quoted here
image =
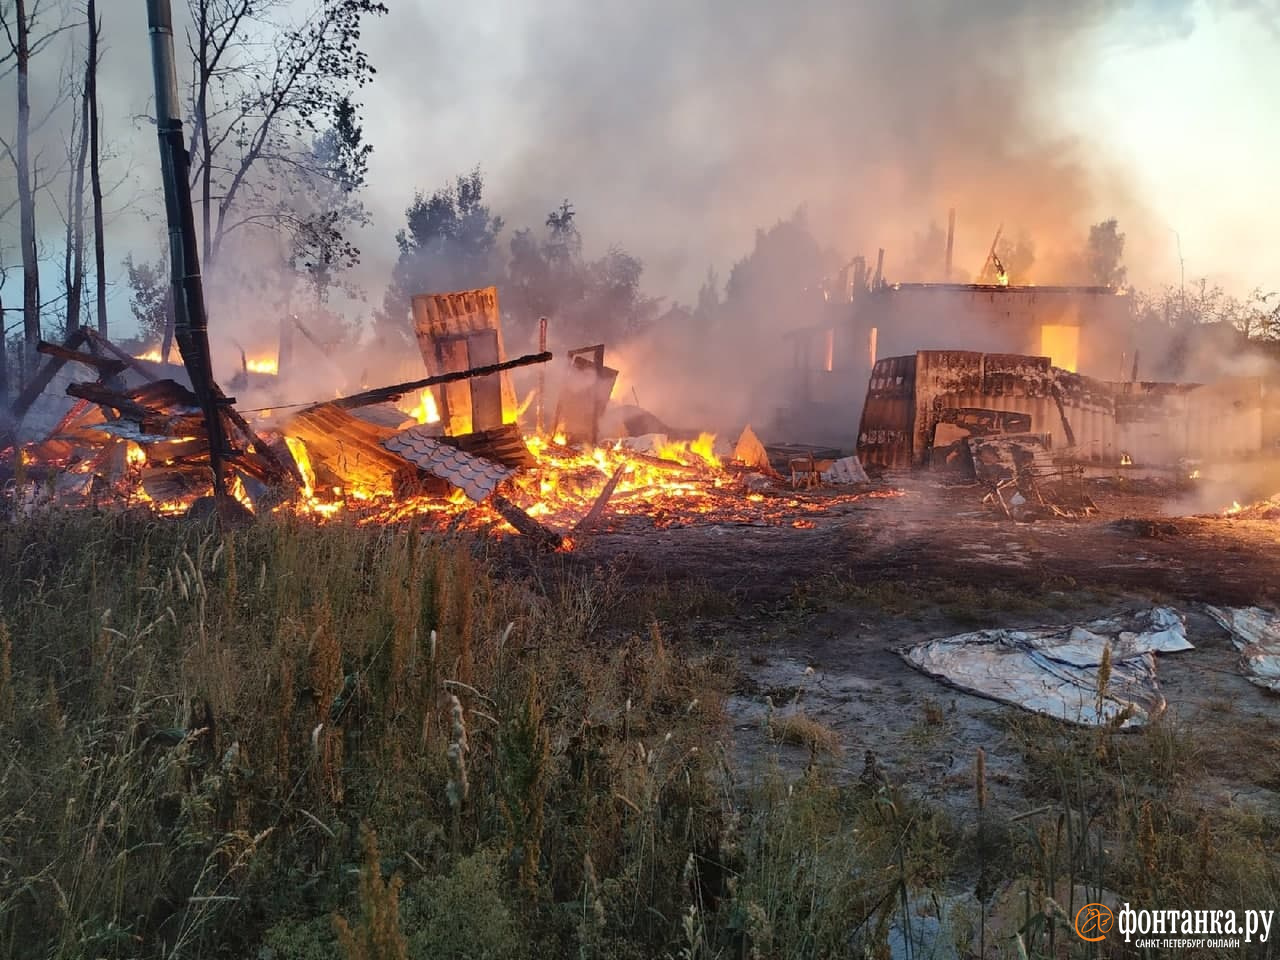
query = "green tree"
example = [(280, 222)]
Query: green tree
[(338, 166), (448, 243), (587, 301), (1104, 254), (149, 298)]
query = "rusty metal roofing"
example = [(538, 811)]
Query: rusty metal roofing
[(351, 447), (475, 476)]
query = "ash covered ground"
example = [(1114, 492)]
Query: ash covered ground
[(813, 598)]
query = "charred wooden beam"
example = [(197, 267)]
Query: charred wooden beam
[(149, 419), (398, 390), (40, 382), (133, 363), (191, 324), (1062, 413), (588, 523), (275, 470), (525, 524), (106, 367), (104, 397)]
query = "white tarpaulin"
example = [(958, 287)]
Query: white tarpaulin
[(1256, 634), (1054, 670)]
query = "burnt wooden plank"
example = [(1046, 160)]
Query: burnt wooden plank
[(397, 390), (106, 367), (589, 522), (462, 312), (525, 524)]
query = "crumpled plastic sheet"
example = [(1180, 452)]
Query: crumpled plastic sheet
[(1256, 634), (1055, 670)]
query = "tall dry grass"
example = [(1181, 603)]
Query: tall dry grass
[(343, 744), (214, 747)]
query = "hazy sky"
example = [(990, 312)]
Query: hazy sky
[(1197, 118), (678, 127)]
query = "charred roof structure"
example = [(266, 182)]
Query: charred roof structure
[(1076, 328), (919, 406)]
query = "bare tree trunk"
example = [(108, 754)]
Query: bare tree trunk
[(74, 263), (4, 360), (203, 79), (26, 196), (95, 170)]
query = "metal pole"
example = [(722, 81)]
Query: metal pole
[(191, 328)]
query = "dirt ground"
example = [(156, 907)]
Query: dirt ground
[(813, 615)]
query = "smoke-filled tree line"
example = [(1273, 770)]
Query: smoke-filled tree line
[(280, 166), (278, 159)]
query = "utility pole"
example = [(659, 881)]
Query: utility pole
[(191, 323)]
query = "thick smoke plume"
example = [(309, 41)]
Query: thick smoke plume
[(680, 128)]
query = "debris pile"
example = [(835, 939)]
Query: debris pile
[(448, 445)]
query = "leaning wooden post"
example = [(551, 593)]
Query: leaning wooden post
[(542, 371), (191, 326)]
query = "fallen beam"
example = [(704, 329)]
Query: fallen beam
[(124, 405), (524, 523), (105, 366), (398, 390), (40, 382), (132, 362), (588, 523)]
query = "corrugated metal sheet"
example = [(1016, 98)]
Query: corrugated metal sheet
[(351, 447), (884, 436)]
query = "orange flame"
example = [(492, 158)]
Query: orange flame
[(689, 452), (425, 411)]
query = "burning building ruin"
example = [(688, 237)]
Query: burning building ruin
[(448, 445), (921, 404), (1078, 328)]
